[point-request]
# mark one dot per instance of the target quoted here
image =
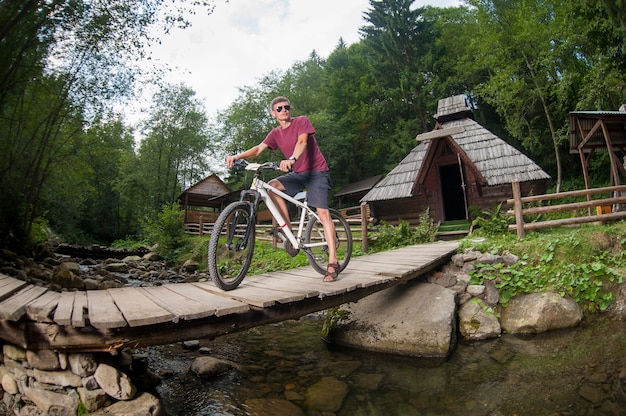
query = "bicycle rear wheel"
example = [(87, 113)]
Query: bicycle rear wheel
[(231, 246), (318, 255)]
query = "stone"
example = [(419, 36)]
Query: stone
[(326, 395), (115, 383), (477, 321), (51, 403), (190, 265), (116, 267), (9, 384), (475, 290), (63, 378), (83, 365), (210, 367), (14, 352), (67, 275), (93, 399), (539, 312), (272, 407), (145, 404), (151, 256), (416, 319), (43, 359)]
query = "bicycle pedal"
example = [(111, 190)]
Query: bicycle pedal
[(289, 249)]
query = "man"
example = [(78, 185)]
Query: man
[(295, 137)]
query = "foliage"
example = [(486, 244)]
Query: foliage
[(387, 236), (333, 317), (490, 223), (584, 264), (167, 231)]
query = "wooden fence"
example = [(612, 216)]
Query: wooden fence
[(357, 217), (596, 209)]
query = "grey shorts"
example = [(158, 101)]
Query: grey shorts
[(315, 182)]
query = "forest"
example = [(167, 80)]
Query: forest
[(70, 161)]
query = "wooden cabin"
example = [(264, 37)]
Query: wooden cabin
[(457, 165), (204, 199)]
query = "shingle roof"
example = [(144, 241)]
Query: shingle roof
[(496, 160)]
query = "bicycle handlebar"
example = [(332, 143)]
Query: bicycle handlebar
[(256, 166)]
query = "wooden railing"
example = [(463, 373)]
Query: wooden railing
[(597, 209), (357, 217)]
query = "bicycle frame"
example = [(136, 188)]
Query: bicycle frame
[(263, 189)]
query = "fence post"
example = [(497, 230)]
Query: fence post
[(519, 217), (364, 228), (201, 230)]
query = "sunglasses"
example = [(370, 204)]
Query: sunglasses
[(280, 108)]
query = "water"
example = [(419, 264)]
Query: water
[(546, 374)]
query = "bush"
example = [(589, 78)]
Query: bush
[(168, 230), (389, 237)]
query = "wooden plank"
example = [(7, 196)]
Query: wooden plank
[(278, 281), (10, 286), (315, 281), (180, 306), (103, 312), (79, 310), (41, 308), (223, 305), (63, 311), (137, 308), (255, 296), (14, 307)]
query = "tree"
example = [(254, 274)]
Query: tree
[(173, 154)]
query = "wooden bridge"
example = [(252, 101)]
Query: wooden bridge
[(106, 320)]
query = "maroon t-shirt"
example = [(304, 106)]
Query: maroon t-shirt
[(286, 139)]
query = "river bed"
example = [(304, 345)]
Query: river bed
[(580, 371)]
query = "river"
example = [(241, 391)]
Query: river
[(566, 372)]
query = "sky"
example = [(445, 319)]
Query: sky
[(244, 40)]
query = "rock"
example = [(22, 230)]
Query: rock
[(14, 352), (43, 359), (9, 384), (67, 275), (272, 407), (93, 399), (52, 403), (60, 378), (617, 309), (475, 290), (151, 256), (144, 404), (539, 312), (415, 319), (130, 259), (326, 395), (116, 267), (477, 321), (210, 367), (83, 365), (115, 383), (190, 265)]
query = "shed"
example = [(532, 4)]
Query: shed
[(599, 131), (203, 199), (353, 192), (458, 164)]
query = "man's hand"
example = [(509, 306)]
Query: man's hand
[(287, 164), (230, 161)]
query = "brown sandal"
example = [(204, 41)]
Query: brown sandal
[(332, 275)]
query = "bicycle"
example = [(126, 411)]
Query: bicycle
[(231, 246)]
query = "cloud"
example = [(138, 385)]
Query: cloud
[(243, 40)]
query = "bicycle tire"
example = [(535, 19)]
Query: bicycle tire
[(231, 245), (318, 256)]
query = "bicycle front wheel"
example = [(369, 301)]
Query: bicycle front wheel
[(231, 246), (318, 255)]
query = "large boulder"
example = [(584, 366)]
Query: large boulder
[(416, 319), (539, 312)]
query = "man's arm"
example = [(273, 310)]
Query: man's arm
[(303, 140), (250, 153)]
